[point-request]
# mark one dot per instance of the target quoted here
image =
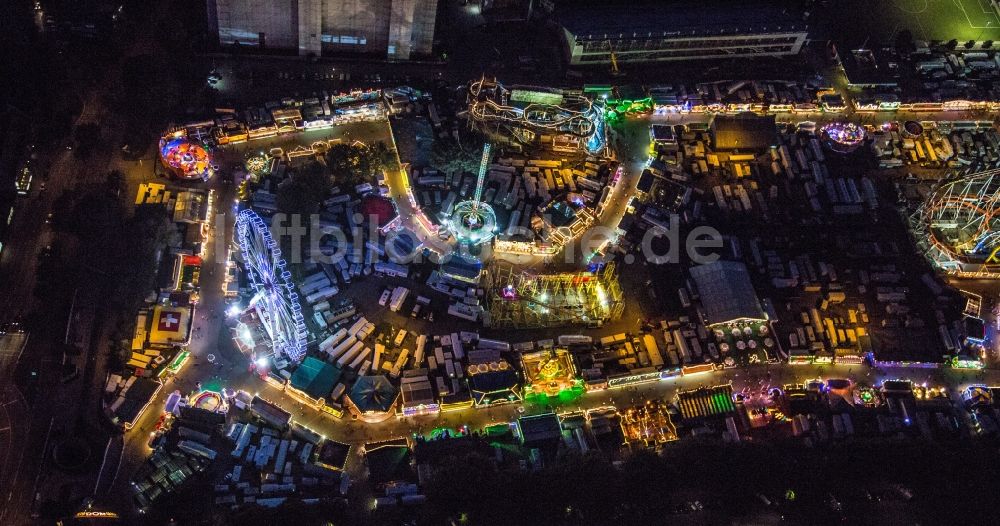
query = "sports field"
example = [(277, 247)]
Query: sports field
[(870, 22), (947, 19)]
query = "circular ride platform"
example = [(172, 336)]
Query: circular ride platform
[(473, 223), (842, 136), (208, 400), (186, 159)]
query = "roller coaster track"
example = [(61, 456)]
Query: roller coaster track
[(960, 219), (573, 117)]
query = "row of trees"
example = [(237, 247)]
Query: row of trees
[(727, 479), (117, 252), (450, 157), (343, 164), (905, 44), (355, 164)]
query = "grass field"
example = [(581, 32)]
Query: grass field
[(947, 19), (871, 22)]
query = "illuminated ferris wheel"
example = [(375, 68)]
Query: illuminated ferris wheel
[(959, 223), (274, 297)]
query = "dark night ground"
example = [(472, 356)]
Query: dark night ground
[(949, 486)]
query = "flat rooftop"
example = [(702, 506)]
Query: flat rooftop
[(589, 19)]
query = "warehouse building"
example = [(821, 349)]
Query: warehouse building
[(646, 31), (727, 293), (747, 132), (396, 29)]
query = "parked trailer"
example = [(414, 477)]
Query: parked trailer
[(392, 269), (357, 326), (356, 362), (456, 346), (682, 294), (329, 341), (418, 355), (319, 276), (195, 448), (322, 294), (350, 354), (198, 436), (337, 392), (400, 363), (672, 356), (575, 339), (495, 345), (366, 331), (377, 360), (682, 347), (398, 297), (649, 342), (309, 288), (340, 313), (342, 347)]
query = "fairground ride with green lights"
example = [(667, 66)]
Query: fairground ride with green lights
[(523, 114), (474, 222), (550, 377)]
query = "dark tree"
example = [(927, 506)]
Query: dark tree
[(904, 42), (355, 164), (450, 157), (304, 190), (120, 251), (88, 140)]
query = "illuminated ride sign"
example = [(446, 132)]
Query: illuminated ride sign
[(421, 409)]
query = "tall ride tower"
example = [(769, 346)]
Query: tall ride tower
[(474, 222)]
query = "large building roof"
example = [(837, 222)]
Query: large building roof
[(417, 392), (270, 412), (645, 183), (539, 428), (170, 325), (315, 377), (744, 132), (595, 19), (379, 209), (493, 383), (726, 292), (133, 400), (870, 68), (373, 394), (467, 269), (388, 461)]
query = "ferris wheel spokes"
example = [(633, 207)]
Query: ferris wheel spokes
[(274, 297)]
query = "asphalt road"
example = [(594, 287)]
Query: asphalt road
[(412, 216), (18, 264), (14, 423)]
